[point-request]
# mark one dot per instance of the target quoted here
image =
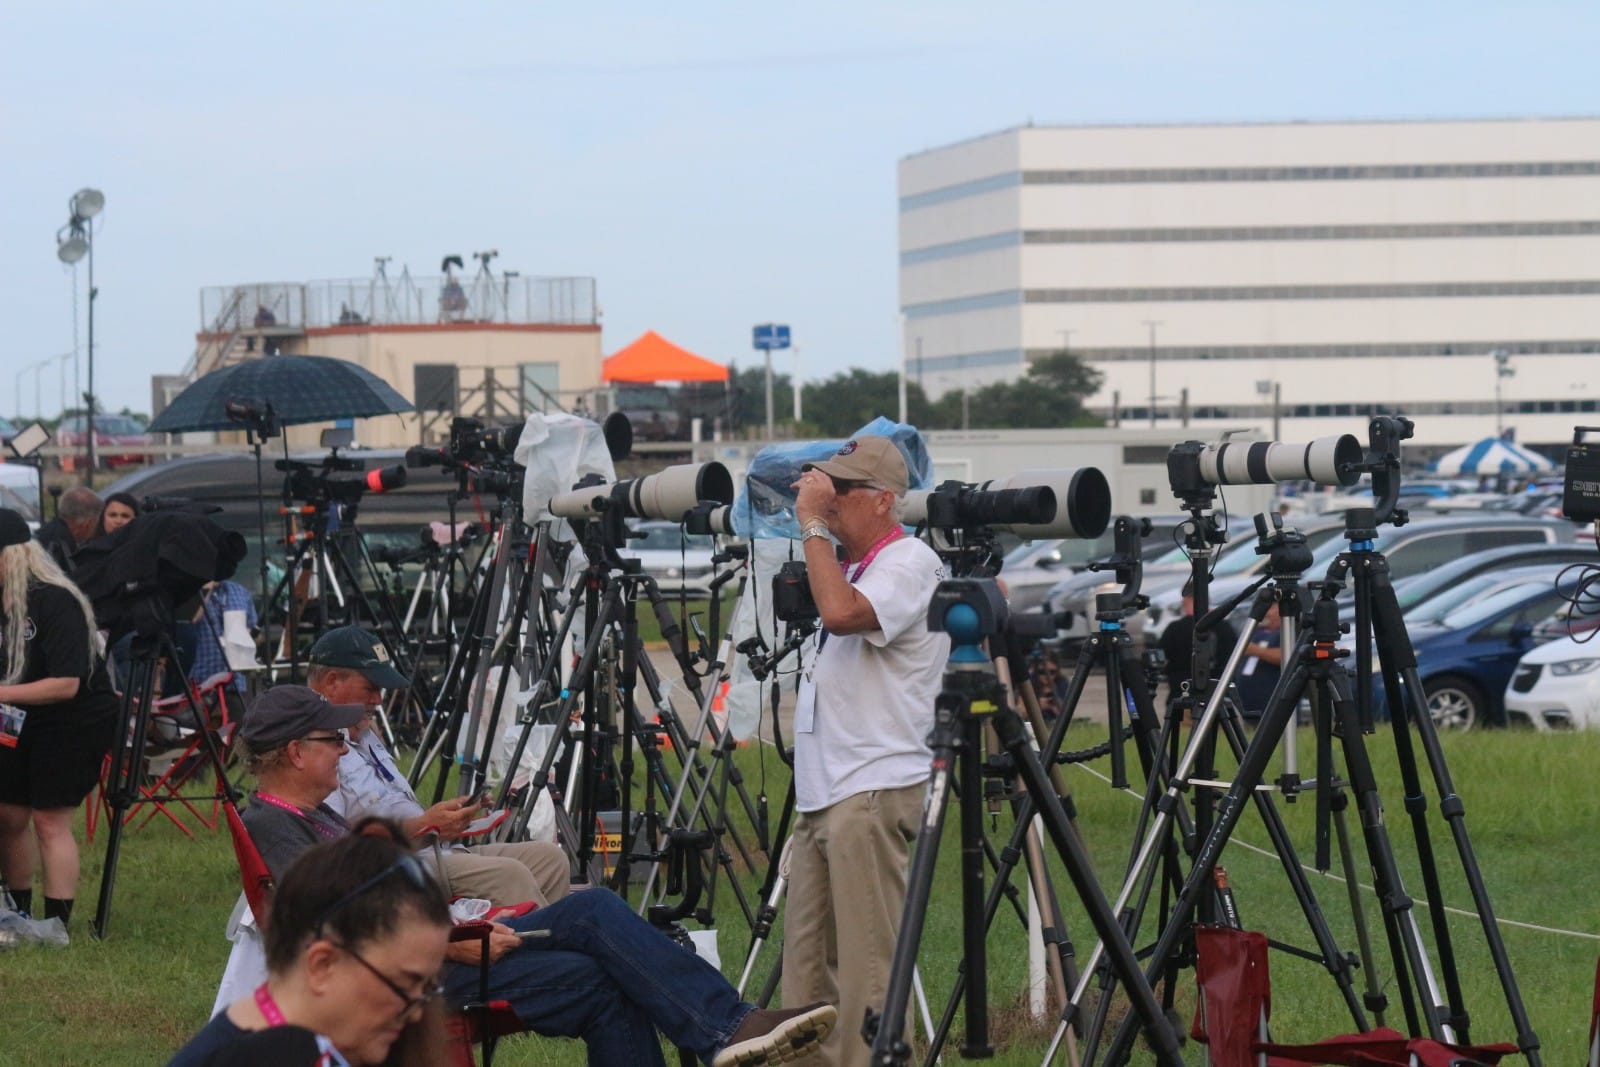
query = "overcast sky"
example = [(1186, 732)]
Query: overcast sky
[(712, 165)]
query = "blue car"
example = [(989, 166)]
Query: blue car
[(1467, 657)]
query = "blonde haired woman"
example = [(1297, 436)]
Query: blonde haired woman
[(57, 718)]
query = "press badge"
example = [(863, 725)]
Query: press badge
[(805, 708), (11, 720)]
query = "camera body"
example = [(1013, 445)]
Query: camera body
[(1580, 495), (337, 479), (791, 593), (473, 442)]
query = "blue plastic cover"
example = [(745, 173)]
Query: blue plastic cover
[(765, 506)]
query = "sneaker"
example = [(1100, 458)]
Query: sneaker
[(767, 1037)]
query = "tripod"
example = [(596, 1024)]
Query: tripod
[(971, 610), (128, 748), (1163, 810), (1313, 668)]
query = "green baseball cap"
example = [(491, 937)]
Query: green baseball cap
[(352, 648)]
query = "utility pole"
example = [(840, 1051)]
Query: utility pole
[(1502, 370), (1153, 324)]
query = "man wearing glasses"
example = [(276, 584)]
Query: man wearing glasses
[(586, 966), (862, 716), (293, 739), (350, 666)]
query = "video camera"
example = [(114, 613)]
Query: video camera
[(481, 455), (337, 479)]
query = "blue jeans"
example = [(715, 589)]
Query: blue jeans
[(609, 977)]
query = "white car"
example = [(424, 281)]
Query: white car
[(1557, 686), (679, 561)]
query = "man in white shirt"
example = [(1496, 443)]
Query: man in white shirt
[(350, 666), (862, 719)]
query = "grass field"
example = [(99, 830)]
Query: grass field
[(135, 997)]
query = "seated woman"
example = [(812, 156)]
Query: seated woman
[(354, 946), (585, 966)]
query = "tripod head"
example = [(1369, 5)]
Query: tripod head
[(1382, 461), (1127, 563), (969, 610), (1289, 554)]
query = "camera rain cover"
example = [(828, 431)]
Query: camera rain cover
[(160, 558), (765, 507), (558, 451)]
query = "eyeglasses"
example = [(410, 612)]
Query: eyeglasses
[(339, 737), (432, 989), (842, 486), (408, 865)]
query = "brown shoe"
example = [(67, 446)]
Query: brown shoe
[(777, 1036)]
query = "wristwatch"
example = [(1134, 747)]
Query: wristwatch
[(814, 528)]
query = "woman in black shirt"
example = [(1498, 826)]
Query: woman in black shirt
[(57, 717)]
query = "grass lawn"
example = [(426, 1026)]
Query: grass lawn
[(135, 997)]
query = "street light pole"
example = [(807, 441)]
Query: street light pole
[(769, 394), (1152, 324), (797, 384), (1502, 370), (74, 241)]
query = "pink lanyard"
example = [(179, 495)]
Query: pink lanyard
[(278, 802), (269, 1007), (893, 535)]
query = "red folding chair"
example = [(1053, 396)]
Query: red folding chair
[(1236, 1002), (175, 743), (483, 1020), (253, 870)]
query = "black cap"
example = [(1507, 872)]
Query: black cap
[(354, 649), (285, 713), (13, 529)]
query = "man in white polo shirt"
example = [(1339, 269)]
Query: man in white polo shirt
[(862, 719)]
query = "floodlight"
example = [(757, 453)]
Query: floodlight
[(72, 248), (86, 203)]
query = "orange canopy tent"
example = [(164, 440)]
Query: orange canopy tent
[(653, 358)]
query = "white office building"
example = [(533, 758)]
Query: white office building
[(1309, 273)]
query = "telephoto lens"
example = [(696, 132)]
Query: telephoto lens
[(1079, 503), (1332, 460)]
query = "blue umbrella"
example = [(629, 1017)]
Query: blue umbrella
[(294, 389)]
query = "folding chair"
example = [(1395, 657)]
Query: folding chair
[(1236, 1002), (175, 756), (483, 1020)]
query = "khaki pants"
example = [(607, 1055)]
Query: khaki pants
[(507, 874), (847, 887)]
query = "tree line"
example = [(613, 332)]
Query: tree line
[(1049, 396)]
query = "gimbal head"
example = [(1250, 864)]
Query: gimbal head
[(1127, 563), (1382, 461)]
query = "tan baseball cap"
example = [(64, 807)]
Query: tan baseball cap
[(867, 458)]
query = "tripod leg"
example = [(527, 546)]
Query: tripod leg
[(886, 1030), (127, 767), (1397, 658), (1252, 768), (1147, 1009)]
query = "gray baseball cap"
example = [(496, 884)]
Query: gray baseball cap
[(285, 713)]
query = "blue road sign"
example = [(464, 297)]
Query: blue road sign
[(770, 336)]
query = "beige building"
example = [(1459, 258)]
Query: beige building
[(1304, 274), (497, 347)]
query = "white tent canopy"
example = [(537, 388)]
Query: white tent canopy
[(1491, 456)]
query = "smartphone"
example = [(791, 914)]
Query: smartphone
[(486, 823)]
